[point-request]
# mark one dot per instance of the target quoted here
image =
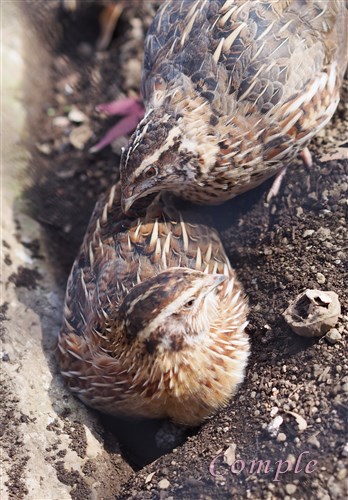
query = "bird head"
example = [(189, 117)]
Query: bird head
[(157, 158), (171, 310)]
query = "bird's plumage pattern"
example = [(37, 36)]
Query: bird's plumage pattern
[(233, 90), (128, 345)]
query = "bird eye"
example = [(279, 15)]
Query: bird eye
[(189, 303), (151, 171)]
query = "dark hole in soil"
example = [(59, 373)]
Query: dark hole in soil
[(143, 441)]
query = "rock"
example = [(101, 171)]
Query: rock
[(274, 425), (80, 136), (274, 411), (341, 474), (76, 116), (61, 121), (299, 211), (307, 233), (324, 233), (290, 489), (333, 336), (320, 278), (281, 437), (314, 441), (163, 484), (44, 148), (345, 450), (230, 454), (313, 313)]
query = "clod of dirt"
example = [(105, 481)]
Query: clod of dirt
[(313, 313), (25, 277)]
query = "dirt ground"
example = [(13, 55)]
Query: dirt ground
[(298, 241)]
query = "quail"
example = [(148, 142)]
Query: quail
[(233, 91), (154, 317)]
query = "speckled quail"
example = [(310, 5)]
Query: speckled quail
[(154, 319), (233, 91)]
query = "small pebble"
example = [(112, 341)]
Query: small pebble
[(320, 278), (299, 211), (274, 425), (341, 474), (345, 450), (290, 489), (324, 233), (76, 116), (281, 437), (307, 233), (163, 484), (44, 148), (314, 441), (335, 488), (333, 336), (274, 411), (80, 136), (291, 458), (61, 121)]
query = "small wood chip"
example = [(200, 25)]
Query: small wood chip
[(301, 422), (149, 477), (230, 454)]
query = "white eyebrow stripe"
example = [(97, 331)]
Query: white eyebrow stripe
[(167, 311), (174, 132)]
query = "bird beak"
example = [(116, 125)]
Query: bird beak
[(127, 202), (129, 197)]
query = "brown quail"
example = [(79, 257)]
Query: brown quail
[(154, 319), (233, 91)]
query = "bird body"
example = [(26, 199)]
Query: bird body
[(154, 316), (233, 91)]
